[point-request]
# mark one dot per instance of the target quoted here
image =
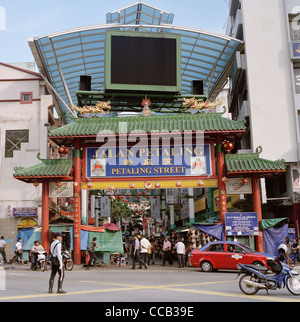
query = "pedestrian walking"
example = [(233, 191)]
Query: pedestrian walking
[(144, 250), (288, 254), (56, 264), (167, 251), (180, 250), (151, 254), (92, 253), (136, 254), (2, 249), (18, 251), (295, 251)]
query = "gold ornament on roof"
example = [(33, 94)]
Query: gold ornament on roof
[(194, 104), (101, 108)]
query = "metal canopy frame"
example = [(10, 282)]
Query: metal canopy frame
[(64, 56)]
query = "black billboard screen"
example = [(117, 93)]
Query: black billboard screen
[(144, 61)]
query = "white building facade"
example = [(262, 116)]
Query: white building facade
[(265, 90), (24, 108)]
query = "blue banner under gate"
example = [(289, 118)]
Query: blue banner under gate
[(140, 161), (241, 224)]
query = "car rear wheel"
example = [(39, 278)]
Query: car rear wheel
[(206, 266), (259, 264)]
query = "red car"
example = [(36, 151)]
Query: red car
[(226, 255)]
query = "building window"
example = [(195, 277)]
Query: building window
[(13, 141), (26, 98)]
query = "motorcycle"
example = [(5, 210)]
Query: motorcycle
[(67, 260), (255, 278), (40, 261)]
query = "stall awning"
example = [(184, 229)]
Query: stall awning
[(268, 223)]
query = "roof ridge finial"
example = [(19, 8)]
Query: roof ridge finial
[(259, 150)]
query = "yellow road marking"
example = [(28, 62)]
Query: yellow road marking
[(255, 297), (172, 288)]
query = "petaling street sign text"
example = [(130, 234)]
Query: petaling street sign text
[(139, 161)]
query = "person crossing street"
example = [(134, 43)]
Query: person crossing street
[(56, 264)]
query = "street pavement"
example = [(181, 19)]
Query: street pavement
[(116, 286)]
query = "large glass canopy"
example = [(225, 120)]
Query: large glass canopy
[(64, 56)]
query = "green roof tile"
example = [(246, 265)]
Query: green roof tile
[(208, 122), (252, 162), (50, 167)]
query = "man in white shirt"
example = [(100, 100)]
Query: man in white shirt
[(56, 264), (136, 254), (145, 245), (180, 250), (2, 249)]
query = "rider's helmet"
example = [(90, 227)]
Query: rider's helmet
[(282, 249)]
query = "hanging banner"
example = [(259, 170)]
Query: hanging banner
[(61, 190), (144, 162), (155, 207), (172, 196), (105, 207)]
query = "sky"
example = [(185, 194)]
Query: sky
[(23, 19)]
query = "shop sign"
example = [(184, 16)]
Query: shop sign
[(227, 201), (147, 161), (61, 190), (25, 223), (296, 183), (295, 49), (25, 212), (241, 224), (236, 186)]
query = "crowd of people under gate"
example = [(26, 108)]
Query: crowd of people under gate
[(175, 247)]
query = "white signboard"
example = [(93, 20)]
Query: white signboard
[(237, 186), (61, 190)]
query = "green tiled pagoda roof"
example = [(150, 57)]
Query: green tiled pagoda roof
[(251, 162), (48, 168), (208, 122)]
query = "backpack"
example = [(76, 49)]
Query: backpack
[(91, 247)]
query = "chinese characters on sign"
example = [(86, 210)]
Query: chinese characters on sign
[(143, 162), (76, 216)]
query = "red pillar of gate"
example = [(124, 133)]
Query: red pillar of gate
[(45, 215), (77, 204), (221, 183), (256, 195)]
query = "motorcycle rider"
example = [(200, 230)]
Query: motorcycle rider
[(275, 264), (34, 253), (56, 264)]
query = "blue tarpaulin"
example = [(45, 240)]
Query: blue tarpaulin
[(25, 234), (84, 238), (273, 237), (216, 231)]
